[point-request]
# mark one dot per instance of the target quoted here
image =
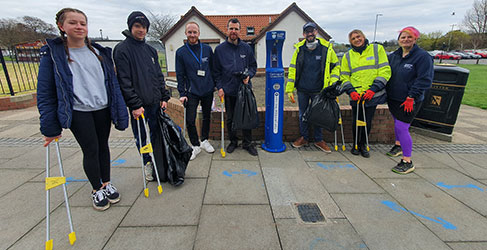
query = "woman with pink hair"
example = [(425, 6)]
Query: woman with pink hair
[(412, 75)]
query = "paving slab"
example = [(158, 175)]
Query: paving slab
[(470, 165), (468, 245), (336, 234), (130, 158), (72, 166), (8, 153), (21, 131), (239, 154), (200, 166), (290, 159), (236, 227), (175, 206), (287, 186), (430, 160), (379, 226), (156, 238), (322, 156), (343, 177), (128, 181), (35, 157), (20, 115), (92, 228), (446, 217), (13, 178), (377, 166), (24, 208), (463, 188), (235, 182), (127, 133)]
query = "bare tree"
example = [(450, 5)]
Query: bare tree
[(25, 29), (37, 25), (159, 25), (475, 21)]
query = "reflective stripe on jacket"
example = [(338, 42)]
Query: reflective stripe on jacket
[(369, 70), (329, 61)]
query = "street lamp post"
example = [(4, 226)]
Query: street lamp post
[(101, 34), (451, 33), (375, 29)]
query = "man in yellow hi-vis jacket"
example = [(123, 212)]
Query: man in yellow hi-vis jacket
[(314, 66), (364, 73)]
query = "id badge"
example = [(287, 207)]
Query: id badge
[(201, 73)]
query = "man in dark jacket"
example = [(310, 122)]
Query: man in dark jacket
[(196, 85), (232, 58), (141, 80)]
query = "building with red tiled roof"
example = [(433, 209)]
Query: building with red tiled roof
[(213, 29)]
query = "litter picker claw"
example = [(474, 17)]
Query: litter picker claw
[(147, 149), (52, 182), (341, 128)]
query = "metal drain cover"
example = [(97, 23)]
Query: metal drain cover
[(310, 212)]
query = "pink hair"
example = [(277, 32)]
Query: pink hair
[(411, 30)]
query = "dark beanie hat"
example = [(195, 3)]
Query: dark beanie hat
[(138, 17)]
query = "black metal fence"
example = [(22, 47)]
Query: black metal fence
[(20, 65)]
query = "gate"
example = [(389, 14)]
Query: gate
[(20, 64)]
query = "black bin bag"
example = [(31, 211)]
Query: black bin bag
[(245, 115), (324, 110), (171, 151)]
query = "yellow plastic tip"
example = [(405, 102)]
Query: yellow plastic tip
[(356, 147), (142, 115), (222, 152), (57, 139), (336, 148), (368, 149), (159, 188), (72, 238), (344, 148), (146, 192), (49, 244)]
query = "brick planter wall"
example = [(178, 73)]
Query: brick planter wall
[(382, 125), (18, 101)]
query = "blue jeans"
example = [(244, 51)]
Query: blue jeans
[(150, 114), (304, 100)]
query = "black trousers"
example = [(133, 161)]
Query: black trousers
[(369, 115), (91, 130), (191, 107), (230, 102)]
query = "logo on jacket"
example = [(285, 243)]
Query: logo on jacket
[(204, 59), (243, 56), (153, 62), (369, 58), (318, 58), (408, 66)]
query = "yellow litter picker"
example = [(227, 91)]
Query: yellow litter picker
[(52, 182)]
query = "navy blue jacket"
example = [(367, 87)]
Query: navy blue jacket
[(55, 89), (139, 73), (411, 75), (230, 59), (187, 68)]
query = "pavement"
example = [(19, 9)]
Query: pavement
[(298, 199)]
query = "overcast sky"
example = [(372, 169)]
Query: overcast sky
[(336, 17)]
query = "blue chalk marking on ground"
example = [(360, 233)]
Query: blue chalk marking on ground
[(243, 172), (441, 184), (330, 166), (447, 225), (72, 179), (118, 162)]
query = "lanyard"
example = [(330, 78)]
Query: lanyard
[(201, 53)]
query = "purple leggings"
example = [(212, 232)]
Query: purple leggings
[(401, 130)]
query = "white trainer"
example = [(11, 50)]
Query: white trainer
[(196, 151), (207, 146)]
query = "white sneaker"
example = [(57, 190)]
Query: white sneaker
[(149, 168), (196, 151), (207, 146)]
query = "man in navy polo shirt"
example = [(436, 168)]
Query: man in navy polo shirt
[(195, 85)]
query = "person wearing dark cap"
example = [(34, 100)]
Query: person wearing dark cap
[(141, 81), (314, 66)]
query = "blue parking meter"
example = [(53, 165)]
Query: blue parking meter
[(274, 92)]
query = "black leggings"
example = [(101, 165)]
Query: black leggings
[(91, 130)]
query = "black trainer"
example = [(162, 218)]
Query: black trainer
[(100, 200), (403, 167), (364, 152), (112, 194), (231, 147), (251, 149), (354, 151), (395, 151)]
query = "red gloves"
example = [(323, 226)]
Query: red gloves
[(368, 95), (355, 96), (408, 104)]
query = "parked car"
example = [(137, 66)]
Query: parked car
[(462, 55), (483, 54), (445, 55), (473, 56)]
